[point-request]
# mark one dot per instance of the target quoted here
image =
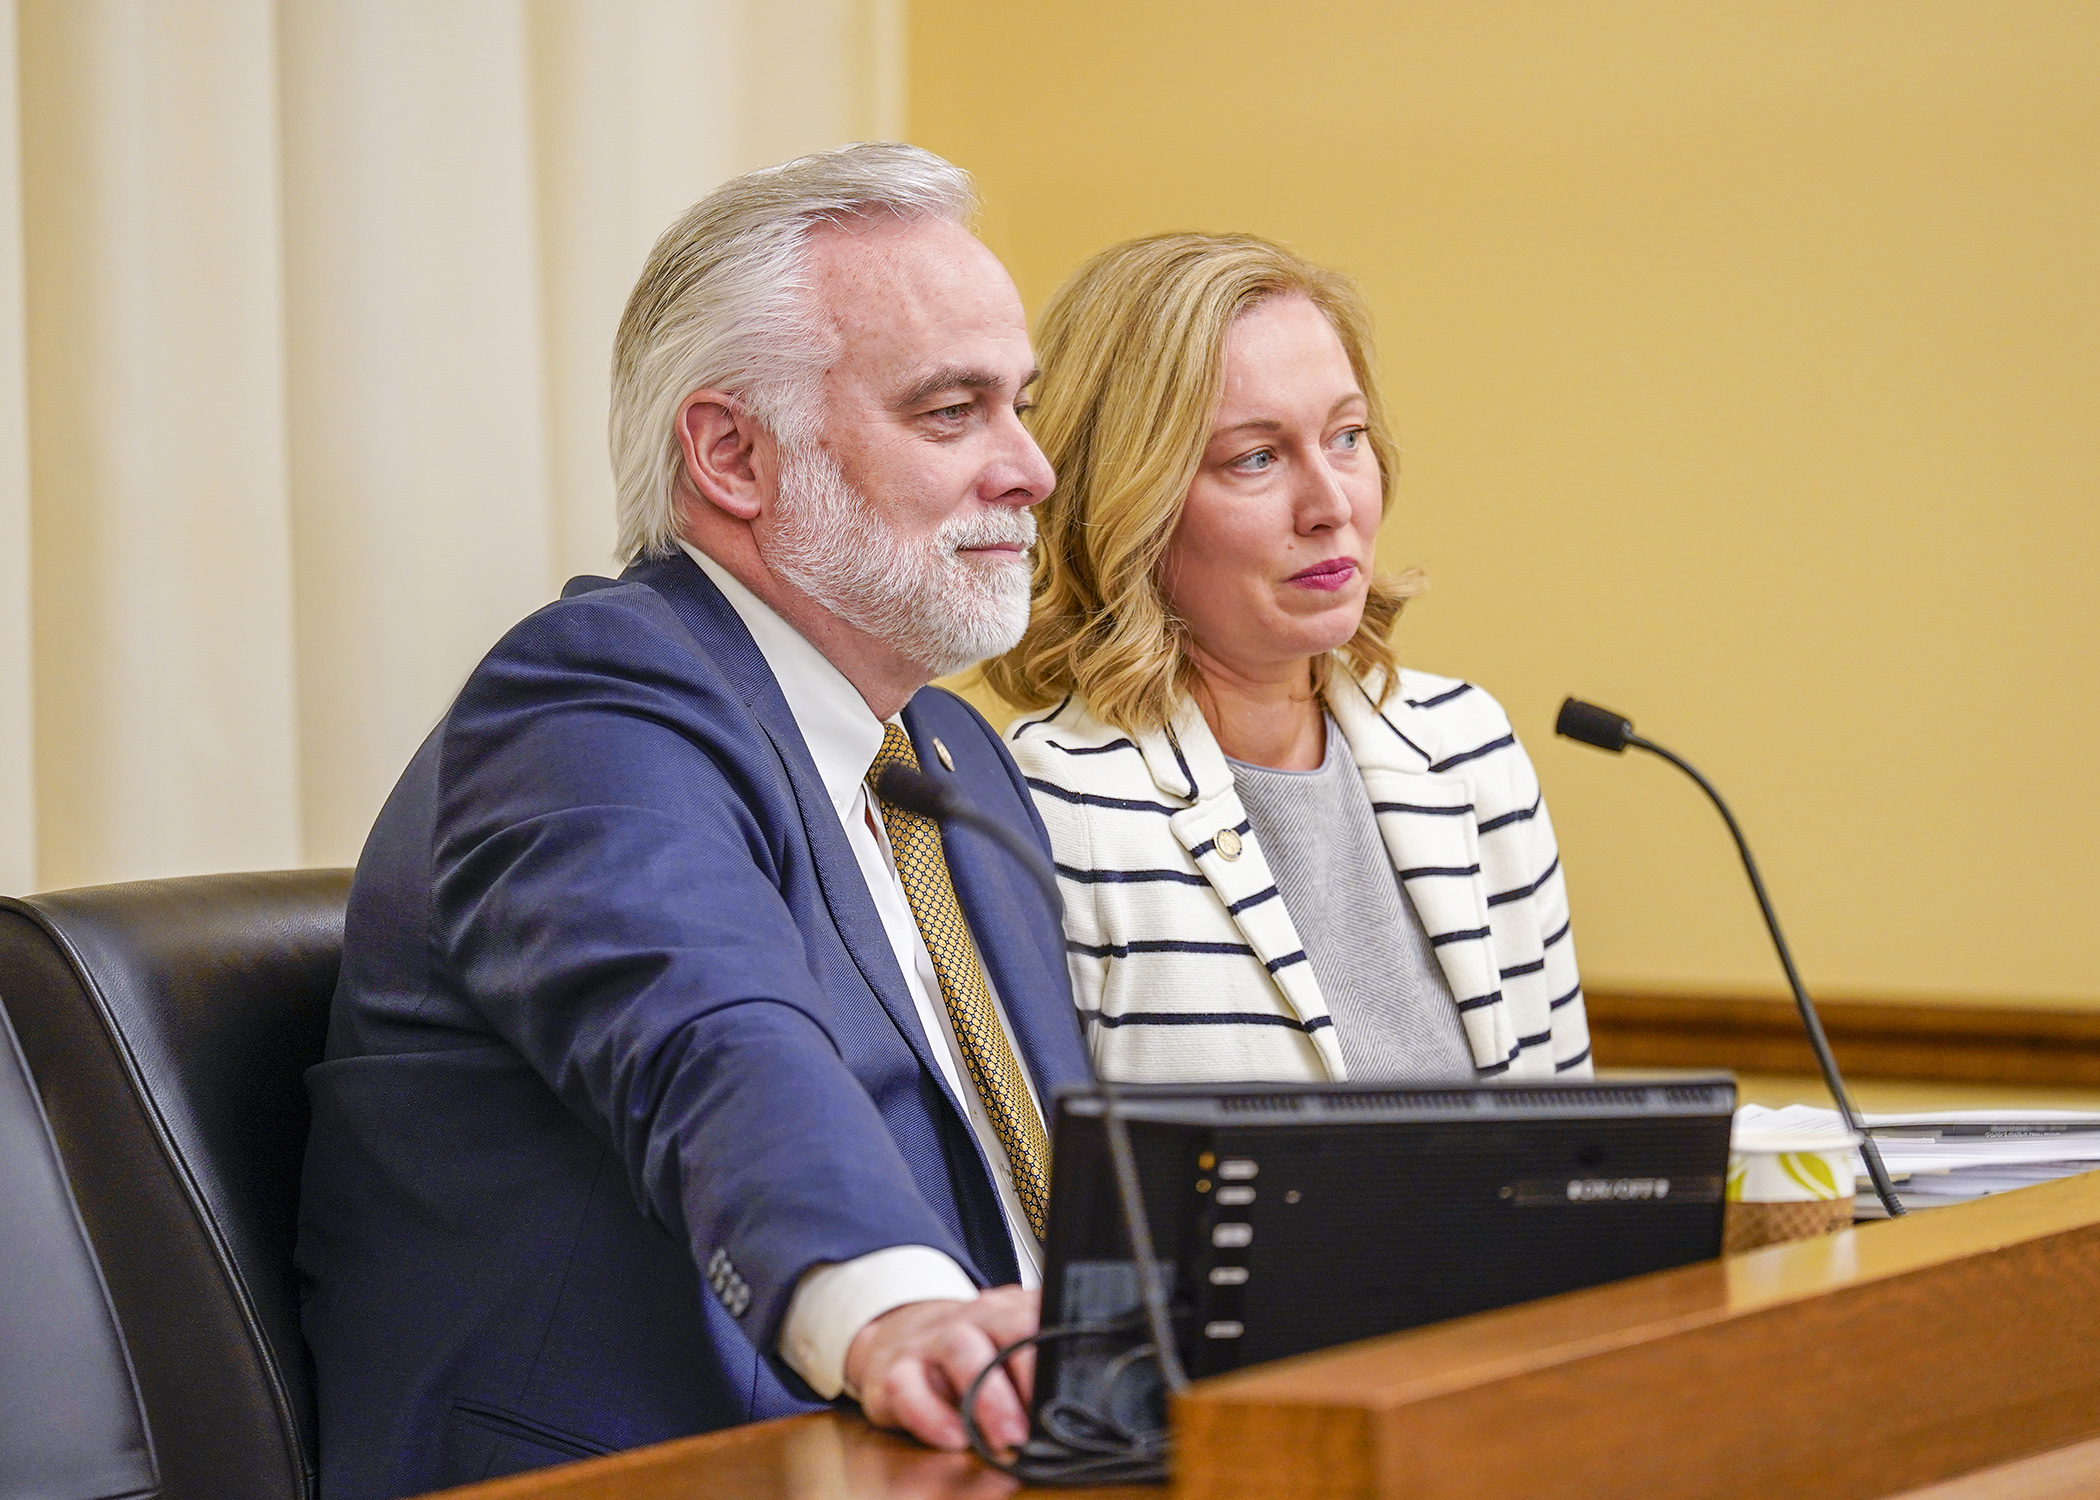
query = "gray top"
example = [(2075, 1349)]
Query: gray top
[(1393, 1012)]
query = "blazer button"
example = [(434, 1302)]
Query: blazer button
[(1228, 844)]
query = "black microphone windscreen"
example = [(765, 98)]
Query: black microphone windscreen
[(932, 797), (1592, 725), (914, 791)]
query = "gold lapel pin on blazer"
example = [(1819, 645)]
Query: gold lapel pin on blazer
[(1228, 844), (941, 750)]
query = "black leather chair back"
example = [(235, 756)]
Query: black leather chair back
[(168, 1024), (73, 1429)]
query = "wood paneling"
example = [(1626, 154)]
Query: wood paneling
[(1857, 1365), (2056, 1048)]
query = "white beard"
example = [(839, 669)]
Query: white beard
[(922, 600)]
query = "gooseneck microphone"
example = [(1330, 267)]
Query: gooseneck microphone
[(916, 792), (1609, 731), (1079, 1445)]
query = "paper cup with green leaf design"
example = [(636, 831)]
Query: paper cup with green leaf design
[(1787, 1184)]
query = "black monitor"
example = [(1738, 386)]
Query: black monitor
[(1291, 1217)]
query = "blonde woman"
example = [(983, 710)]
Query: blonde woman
[(1284, 857)]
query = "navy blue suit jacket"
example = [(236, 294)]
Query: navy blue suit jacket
[(620, 1050)]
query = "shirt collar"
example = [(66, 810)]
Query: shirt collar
[(837, 725)]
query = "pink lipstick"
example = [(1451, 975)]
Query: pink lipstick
[(1329, 575)]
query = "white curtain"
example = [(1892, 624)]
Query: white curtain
[(305, 311)]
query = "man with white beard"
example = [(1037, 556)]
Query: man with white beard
[(675, 1079)]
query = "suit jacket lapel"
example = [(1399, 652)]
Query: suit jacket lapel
[(1432, 835), (708, 617), (1186, 763)]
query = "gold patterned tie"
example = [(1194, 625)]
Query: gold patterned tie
[(923, 867)]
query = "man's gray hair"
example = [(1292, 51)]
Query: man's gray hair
[(722, 304)]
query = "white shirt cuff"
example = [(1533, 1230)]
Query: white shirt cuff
[(833, 1303)]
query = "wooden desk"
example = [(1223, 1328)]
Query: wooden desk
[(828, 1457), (1874, 1363), (822, 1457), (1859, 1364)]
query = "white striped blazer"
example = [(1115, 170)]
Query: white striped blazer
[(1185, 962)]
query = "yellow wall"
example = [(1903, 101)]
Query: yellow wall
[(1746, 359)]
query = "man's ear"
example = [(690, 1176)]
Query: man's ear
[(717, 436)]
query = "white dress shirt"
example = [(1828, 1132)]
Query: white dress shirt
[(832, 1303)]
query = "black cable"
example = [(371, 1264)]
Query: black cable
[(1811, 1022), (1080, 1443)]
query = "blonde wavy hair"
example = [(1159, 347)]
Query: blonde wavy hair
[(1133, 367)]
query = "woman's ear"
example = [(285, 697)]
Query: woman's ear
[(716, 438)]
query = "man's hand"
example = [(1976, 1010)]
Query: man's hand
[(912, 1365)]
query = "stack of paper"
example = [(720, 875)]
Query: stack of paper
[(1954, 1155)]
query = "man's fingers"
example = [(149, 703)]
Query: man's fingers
[(1009, 1315), (909, 1400), (1022, 1368), (914, 1363), (1000, 1415)]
